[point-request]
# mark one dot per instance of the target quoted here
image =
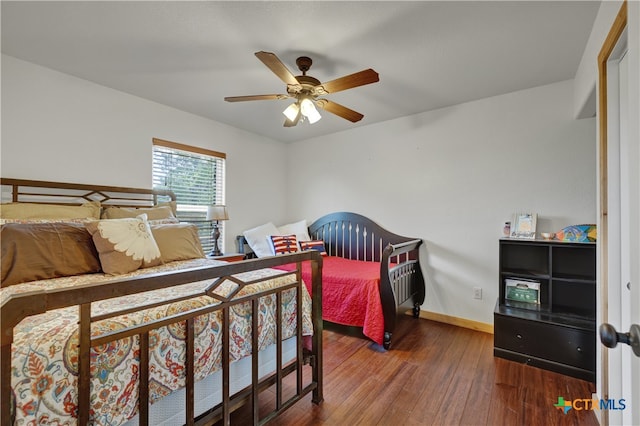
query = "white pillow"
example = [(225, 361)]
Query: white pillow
[(299, 229), (259, 240)]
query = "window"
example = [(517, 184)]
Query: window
[(196, 176)]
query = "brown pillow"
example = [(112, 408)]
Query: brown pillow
[(153, 213), (38, 251), (124, 245), (49, 211), (178, 241)]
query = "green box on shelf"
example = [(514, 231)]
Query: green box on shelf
[(522, 291)]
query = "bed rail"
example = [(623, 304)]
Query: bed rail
[(19, 306), (401, 285)]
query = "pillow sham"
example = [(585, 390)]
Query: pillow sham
[(89, 209), (299, 228), (153, 213), (258, 239), (283, 244), (124, 245), (38, 251), (313, 245), (178, 241)]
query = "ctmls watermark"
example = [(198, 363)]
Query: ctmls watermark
[(589, 404)]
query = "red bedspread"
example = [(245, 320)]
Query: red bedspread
[(350, 293)]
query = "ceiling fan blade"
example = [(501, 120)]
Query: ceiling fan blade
[(361, 78), (274, 64), (254, 98), (339, 110)]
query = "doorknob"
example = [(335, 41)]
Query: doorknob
[(610, 337)]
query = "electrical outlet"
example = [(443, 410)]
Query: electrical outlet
[(477, 292)]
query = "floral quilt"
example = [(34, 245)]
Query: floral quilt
[(45, 357)]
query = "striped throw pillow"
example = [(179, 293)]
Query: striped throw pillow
[(313, 245), (283, 244)]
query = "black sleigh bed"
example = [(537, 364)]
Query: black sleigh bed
[(370, 275), (356, 237)]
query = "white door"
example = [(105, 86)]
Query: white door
[(621, 254)]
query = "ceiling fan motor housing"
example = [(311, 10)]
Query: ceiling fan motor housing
[(304, 63), (308, 86)]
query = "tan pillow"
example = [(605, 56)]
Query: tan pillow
[(153, 213), (177, 241), (124, 245), (39, 251), (49, 211), (172, 204)]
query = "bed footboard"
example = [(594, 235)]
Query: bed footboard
[(16, 307)]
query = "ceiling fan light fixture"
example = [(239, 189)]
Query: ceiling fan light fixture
[(309, 110), (292, 111)]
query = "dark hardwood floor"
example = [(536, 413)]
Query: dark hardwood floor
[(435, 374)]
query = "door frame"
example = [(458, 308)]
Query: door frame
[(617, 29)]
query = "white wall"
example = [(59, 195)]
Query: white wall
[(453, 177), (585, 79), (60, 128)]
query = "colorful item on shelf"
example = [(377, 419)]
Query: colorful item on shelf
[(506, 230), (578, 233)]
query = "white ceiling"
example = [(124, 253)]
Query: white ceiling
[(190, 55)]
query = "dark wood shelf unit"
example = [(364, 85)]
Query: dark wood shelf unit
[(559, 333)]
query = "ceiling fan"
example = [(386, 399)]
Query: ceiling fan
[(306, 90)]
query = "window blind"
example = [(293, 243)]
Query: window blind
[(197, 177)]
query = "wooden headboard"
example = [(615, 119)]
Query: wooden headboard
[(44, 192), (353, 236)]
